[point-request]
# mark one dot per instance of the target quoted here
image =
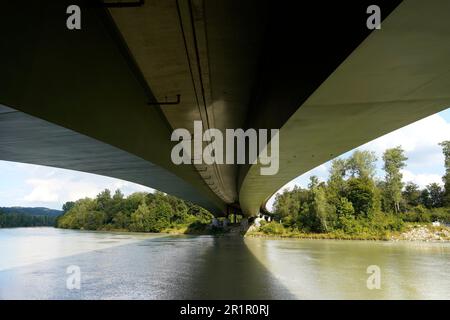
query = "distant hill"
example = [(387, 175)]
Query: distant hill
[(37, 211)]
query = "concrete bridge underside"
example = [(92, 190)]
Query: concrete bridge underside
[(84, 99)]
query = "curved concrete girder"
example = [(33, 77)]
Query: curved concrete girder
[(83, 80), (398, 75)]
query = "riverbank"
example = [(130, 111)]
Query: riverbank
[(411, 232), (196, 228), (426, 232)]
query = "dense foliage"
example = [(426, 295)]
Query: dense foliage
[(354, 202), (33, 211), (140, 212), (12, 219)]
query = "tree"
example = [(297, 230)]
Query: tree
[(411, 194), (446, 178), (315, 211), (313, 182), (436, 195), (139, 218), (336, 181), (121, 220), (81, 216), (151, 218), (94, 220), (321, 209), (425, 199), (159, 217), (134, 200), (105, 204), (67, 206), (394, 160), (361, 164), (118, 195), (285, 204), (345, 208), (361, 193)]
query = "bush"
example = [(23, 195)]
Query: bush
[(348, 224), (272, 227), (377, 224), (422, 214), (440, 214), (417, 214), (288, 221), (383, 222)]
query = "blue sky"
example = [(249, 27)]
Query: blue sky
[(31, 185)]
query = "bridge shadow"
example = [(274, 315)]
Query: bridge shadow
[(229, 270)]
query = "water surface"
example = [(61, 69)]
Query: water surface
[(33, 264)]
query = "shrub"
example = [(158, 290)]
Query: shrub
[(417, 214), (440, 214), (272, 227)]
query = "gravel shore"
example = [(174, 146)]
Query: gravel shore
[(425, 233)]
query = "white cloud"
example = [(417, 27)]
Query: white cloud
[(419, 140), (61, 189), (421, 179), (43, 191), (422, 133), (52, 187)]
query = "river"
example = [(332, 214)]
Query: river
[(34, 263)]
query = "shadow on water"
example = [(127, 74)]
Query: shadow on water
[(172, 267), (228, 270)]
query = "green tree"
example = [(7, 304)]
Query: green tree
[(425, 199), (336, 180), (446, 178), (436, 195), (321, 209), (81, 216), (313, 182), (139, 218), (121, 220), (117, 201), (361, 193), (315, 212), (361, 164), (67, 206), (345, 207), (159, 217), (394, 160), (285, 204), (105, 204), (411, 194)]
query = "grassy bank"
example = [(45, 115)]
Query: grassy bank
[(195, 228), (408, 232)]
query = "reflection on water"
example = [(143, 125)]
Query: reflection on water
[(330, 269), (33, 265)]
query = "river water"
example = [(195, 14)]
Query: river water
[(34, 264)]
